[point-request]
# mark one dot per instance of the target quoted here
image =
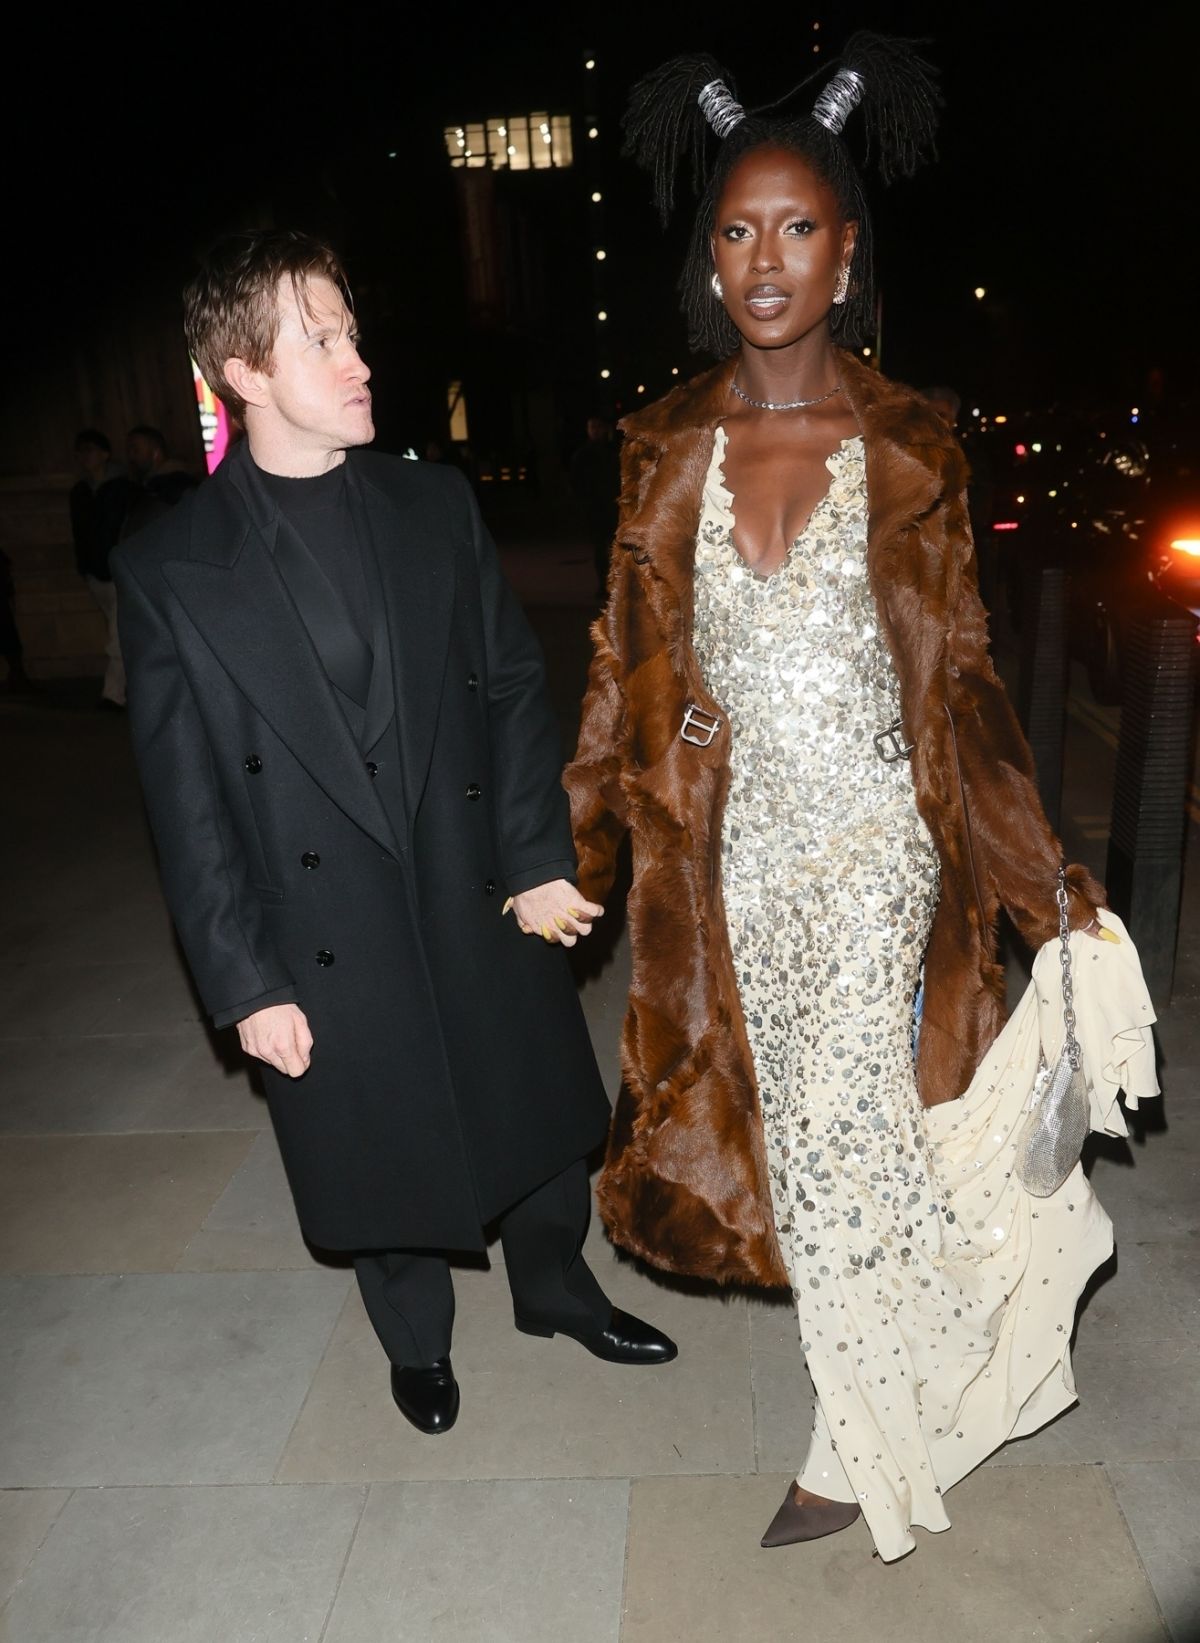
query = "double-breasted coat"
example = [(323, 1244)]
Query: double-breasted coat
[(451, 1071), (685, 1181)]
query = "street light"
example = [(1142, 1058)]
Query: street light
[(980, 292)]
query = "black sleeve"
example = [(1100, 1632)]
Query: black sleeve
[(204, 870), (527, 757)]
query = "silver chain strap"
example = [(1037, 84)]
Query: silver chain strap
[(1074, 1053)]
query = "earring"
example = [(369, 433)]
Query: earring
[(718, 289), (842, 287)]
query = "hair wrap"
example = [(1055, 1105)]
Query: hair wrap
[(720, 108), (839, 100)]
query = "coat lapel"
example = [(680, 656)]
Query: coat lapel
[(232, 592), (411, 538), (910, 461)]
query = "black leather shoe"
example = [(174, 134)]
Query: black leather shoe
[(427, 1397), (626, 1340)]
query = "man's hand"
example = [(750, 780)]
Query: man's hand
[(279, 1036), (555, 911)]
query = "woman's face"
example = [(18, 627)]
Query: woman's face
[(779, 243)]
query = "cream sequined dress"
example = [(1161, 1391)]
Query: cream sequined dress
[(830, 883)]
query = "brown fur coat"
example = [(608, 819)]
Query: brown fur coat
[(685, 1183)]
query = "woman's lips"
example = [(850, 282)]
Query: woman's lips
[(767, 301)]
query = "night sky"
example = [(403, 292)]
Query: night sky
[(1064, 184)]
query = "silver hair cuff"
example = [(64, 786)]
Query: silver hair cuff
[(719, 108), (840, 98)]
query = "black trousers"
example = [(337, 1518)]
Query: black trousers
[(409, 1294)]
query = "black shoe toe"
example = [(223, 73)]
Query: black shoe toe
[(626, 1340), (427, 1397)]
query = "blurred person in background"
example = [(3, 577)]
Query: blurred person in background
[(595, 475), (98, 503), (158, 481), (16, 681)]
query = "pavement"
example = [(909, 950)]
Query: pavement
[(197, 1442)]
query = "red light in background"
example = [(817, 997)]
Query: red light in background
[(1007, 525), (1021, 450)]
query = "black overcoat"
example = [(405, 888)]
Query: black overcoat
[(451, 1070)]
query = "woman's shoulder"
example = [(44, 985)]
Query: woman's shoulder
[(691, 405)]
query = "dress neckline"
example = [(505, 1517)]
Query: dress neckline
[(725, 499)]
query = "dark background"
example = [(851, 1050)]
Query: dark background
[(1064, 186)]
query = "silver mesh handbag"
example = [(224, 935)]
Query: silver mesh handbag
[(1053, 1134)]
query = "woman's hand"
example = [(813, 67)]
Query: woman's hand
[(554, 911)]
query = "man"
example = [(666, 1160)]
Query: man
[(351, 769), (98, 502), (158, 481)]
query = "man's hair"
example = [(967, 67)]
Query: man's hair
[(230, 309), (152, 436), (94, 438)]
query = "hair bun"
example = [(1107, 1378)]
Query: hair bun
[(669, 115), (899, 96)]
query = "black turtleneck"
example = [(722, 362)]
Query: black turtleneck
[(318, 509)]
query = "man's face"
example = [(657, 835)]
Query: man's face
[(316, 397), (91, 460), (141, 456)]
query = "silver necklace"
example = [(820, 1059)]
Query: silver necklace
[(790, 405)]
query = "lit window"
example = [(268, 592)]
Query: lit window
[(456, 411), (517, 142)]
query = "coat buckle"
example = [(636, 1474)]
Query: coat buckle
[(891, 745), (699, 727)]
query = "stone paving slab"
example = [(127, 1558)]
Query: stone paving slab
[(109, 1203), (1159, 1504), (497, 1562), (26, 1517), (258, 1565), (119, 1083), (253, 1226), (157, 1378), (122, 996), (538, 1408), (1036, 1555)]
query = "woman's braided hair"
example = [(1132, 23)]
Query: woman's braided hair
[(679, 112)]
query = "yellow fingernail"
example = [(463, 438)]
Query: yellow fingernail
[(574, 912), (561, 922), (546, 932), (507, 908), (1109, 935)]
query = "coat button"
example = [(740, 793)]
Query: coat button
[(324, 958), (310, 859), (472, 681), (489, 888), (372, 769), (252, 764), (474, 790)]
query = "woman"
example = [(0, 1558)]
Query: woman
[(792, 709)]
